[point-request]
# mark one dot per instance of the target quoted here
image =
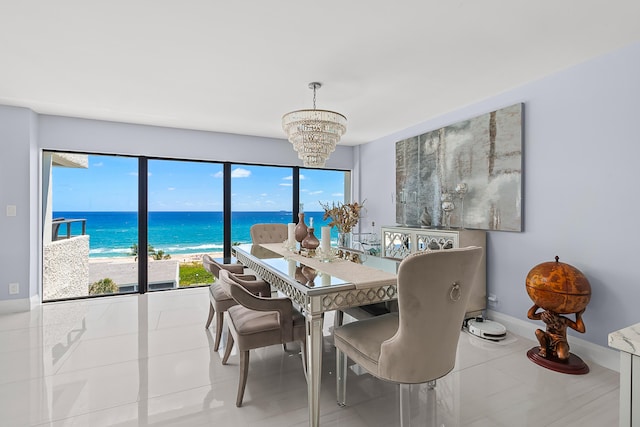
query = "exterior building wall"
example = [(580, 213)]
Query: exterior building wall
[(66, 268)]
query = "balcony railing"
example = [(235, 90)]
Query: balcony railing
[(57, 223)]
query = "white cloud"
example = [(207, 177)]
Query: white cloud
[(313, 193), (290, 178), (98, 164), (264, 194), (236, 173), (240, 173), (171, 188), (286, 184), (337, 195)]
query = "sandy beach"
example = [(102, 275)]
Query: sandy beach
[(181, 258)]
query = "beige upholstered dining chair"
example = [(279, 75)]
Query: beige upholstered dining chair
[(258, 322), (268, 233), (219, 300), (417, 344)]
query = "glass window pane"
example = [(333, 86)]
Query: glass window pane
[(185, 221), (326, 187), (259, 194), (90, 213)]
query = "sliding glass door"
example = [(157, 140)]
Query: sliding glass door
[(320, 187), (259, 194), (185, 221), (90, 222)]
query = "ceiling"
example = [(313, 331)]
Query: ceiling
[(237, 66)]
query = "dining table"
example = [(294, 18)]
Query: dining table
[(319, 285)]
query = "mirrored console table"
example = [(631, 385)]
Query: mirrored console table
[(399, 241)]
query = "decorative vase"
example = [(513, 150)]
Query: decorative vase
[(310, 242), (310, 274), (299, 276), (301, 228), (344, 240)]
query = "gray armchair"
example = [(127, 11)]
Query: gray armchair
[(268, 233), (417, 344), (258, 322), (219, 300)]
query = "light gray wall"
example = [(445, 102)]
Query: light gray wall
[(18, 187), (65, 133), (581, 187)]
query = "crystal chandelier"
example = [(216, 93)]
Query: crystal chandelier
[(314, 133)]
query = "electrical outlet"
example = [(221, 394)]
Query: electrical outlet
[(14, 288), (492, 298)]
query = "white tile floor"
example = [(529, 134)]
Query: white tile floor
[(147, 360)]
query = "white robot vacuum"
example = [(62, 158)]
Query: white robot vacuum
[(487, 329)]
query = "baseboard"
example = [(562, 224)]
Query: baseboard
[(603, 356), (34, 301), (15, 305)]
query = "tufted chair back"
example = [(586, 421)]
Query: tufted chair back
[(431, 311), (268, 233), (418, 344)]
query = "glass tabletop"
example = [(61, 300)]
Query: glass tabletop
[(310, 277)]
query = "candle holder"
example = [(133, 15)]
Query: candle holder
[(325, 255), (461, 190), (447, 208)]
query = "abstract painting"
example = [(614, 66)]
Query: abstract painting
[(481, 157)]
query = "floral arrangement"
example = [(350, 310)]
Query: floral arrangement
[(344, 216)]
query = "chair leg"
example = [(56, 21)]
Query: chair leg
[(341, 377), (431, 406), (219, 323), (227, 350), (244, 370), (405, 405), (338, 318), (211, 311)]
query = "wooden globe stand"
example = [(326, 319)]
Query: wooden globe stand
[(558, 289), (574, 365)]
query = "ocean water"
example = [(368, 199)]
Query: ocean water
[(176, 233)]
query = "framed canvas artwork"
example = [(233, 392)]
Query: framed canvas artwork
[(466, 175)]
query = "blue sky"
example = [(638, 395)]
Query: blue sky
[(110, 184)]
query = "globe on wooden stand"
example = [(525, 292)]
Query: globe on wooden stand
[(557, 288)]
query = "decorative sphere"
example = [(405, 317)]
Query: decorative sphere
[(558, 287)]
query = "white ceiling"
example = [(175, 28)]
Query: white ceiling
[(237, 66)]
